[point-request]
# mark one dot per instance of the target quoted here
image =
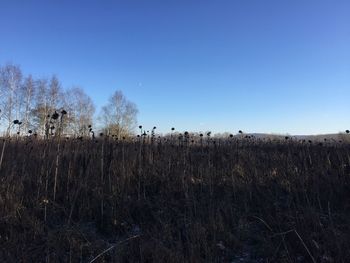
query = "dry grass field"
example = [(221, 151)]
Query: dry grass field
[(174, 200)]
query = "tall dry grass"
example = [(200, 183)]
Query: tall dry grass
[(174, 200)]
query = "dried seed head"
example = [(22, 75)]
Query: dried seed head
[(55, 116)]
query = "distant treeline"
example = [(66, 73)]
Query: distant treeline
[(42, 107)]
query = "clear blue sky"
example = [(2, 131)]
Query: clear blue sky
[(259, 66)]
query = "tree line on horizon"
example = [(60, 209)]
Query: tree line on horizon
[(44, 108)]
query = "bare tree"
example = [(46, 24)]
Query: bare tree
[(40, 112), (119, 116), (27, 96), (10, 83), (42, 106), (80, 110), (55, 94), (48, 99)]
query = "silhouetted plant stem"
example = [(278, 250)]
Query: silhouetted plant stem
[(102, 176), (2, 152), (56, 170)]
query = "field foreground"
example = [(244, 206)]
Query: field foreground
[(233, 201)]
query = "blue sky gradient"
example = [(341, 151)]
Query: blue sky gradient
[(256, 66)]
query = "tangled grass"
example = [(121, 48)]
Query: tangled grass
[(178, 200)]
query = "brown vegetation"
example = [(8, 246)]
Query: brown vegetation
[(174, 200)]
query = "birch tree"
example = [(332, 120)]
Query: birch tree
[(10, 83), (27, 95), (119, 116), (80, 110)]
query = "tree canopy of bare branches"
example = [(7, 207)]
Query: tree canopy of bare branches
[(119, 116), (28, 105)]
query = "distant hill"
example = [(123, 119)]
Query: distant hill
[(319, 137)]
